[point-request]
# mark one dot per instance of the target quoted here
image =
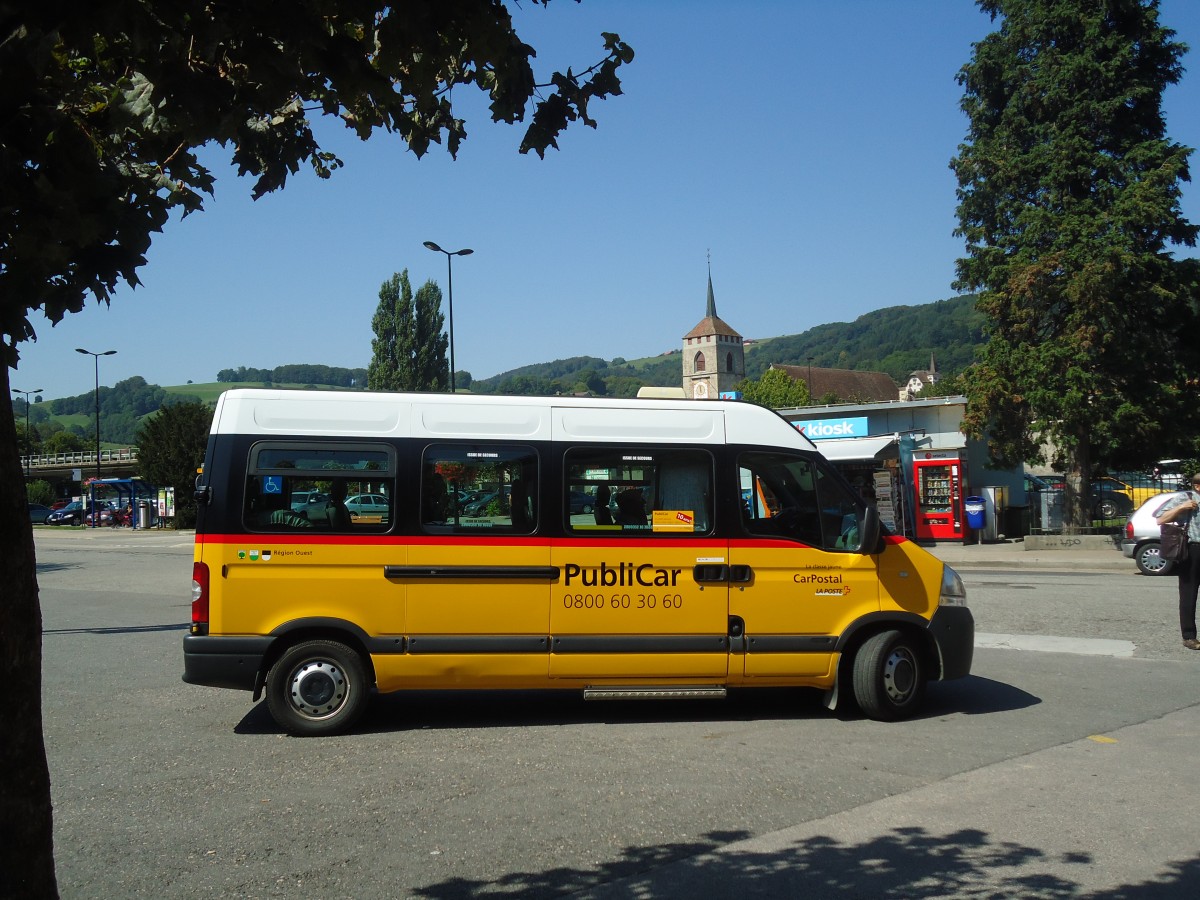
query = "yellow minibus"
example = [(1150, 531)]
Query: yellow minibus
[(354, 542)]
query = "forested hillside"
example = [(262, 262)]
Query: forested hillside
[(122, 407), (897, 340)]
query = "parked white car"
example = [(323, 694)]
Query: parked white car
[(1141, 537), (367, 505)]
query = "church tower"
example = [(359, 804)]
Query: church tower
[(714, 360)]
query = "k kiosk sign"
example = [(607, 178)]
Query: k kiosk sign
[(832, 429)]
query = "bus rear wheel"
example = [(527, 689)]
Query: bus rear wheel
[(889, 676), (317, 688)]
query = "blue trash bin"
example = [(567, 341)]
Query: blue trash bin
[(976, 509)]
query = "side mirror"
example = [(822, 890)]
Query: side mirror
[(203, 493), (869, 531)]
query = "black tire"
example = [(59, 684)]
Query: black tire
[(587, 509), (1107, 509), (317, 688), (75, 521), (1150, 562), (889, 676)]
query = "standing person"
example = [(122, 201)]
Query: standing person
[(1177, 509), (335, 512), (600, 512)]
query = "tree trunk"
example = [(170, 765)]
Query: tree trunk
[(26, 817), (1077, 496)]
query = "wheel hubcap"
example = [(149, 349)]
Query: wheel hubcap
[(318, 688), (899, 675)]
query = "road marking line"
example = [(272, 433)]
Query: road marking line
[(1047, 643)]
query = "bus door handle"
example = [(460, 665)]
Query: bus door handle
[(710, 573), (713, 573), (740, 574)]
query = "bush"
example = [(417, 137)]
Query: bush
[(39, 492)]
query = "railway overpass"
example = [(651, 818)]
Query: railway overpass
[(80, 465)]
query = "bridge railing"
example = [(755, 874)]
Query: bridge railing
[(78, 458)]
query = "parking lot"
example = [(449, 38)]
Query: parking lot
[(1026, 779)]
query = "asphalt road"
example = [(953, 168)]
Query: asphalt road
[(1044, 774)]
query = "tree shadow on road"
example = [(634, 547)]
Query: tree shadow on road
[(901, 863), (119, 629)]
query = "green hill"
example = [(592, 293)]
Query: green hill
[(123, 407), (896, 340)]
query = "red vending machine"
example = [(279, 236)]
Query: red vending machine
[(939, 499)]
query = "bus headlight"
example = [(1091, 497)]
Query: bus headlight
[(953, 593)]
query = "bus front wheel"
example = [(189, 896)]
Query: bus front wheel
[(317, 688), (889, 676)]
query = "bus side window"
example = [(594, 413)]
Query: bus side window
[(793, 497), (660, 491), (841, 514), (339, 487), (478, 488)]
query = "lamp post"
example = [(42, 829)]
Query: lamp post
[(810, 393), (28, 439), (96, 357), (450, 295)]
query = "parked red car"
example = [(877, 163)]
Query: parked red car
[(105, 512)]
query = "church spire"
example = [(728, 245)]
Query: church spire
[(711, 323), (710, 311)]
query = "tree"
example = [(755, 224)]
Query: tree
[(775, 390), (105, 105), (408, 352), (63, 441), (1069, 195), (429, 369), (29, 441), (171, 448), (40, 491)]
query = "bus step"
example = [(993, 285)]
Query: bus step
[(678, 692)]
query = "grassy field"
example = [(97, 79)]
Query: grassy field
[(80, 419)]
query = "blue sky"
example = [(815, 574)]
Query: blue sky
[(804, 144)]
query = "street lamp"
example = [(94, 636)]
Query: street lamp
[(810, 393), (450, 295), (28, 439), (96, 357)]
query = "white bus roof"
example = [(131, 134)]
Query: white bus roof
[(362, 414)]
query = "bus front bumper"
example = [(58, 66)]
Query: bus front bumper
[(953, 630)]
